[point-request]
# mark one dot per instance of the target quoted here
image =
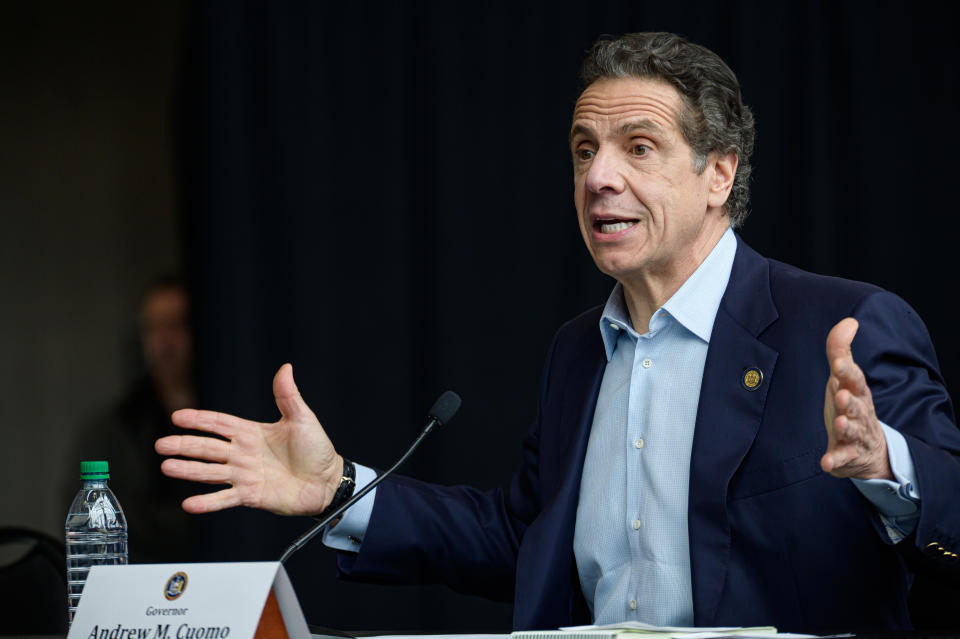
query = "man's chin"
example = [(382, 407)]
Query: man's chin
[(615, 261), (615, 269)]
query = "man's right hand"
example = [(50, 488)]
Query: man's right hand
[(289, 467)]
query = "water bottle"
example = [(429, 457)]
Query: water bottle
[(96, 530)]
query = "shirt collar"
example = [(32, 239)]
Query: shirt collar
[(694, 305)]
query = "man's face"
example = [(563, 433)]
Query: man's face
[(167, 342), (644, 211)]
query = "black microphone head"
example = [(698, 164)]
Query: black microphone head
[(445, 407)]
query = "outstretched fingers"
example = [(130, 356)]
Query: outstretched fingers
[(206, 448), (211, 422), (197, 471), (847, 434), (212, 502)]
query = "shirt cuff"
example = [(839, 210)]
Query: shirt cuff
[(899, 500), (348, 534)]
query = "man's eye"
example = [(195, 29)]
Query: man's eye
[(584, 154), (640, 150)]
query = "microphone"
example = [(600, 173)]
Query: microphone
[(441, 412)]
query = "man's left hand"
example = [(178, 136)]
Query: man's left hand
[(856, 445)]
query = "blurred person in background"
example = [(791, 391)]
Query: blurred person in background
[(123, 434)]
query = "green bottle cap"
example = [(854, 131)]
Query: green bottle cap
[(94, 470)]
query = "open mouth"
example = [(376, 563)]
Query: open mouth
[(612, 225)]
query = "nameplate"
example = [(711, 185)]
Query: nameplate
[(189, 601)]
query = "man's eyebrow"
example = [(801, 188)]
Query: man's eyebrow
[(578, 129), (631, 126), (639, 125)]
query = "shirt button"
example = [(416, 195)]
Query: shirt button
[(639, 442), (647, 362), (636, 524), (633, 604), (614, 326)]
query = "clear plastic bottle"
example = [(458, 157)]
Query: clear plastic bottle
[(96, 530)]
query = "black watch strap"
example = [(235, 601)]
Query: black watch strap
[(348, 483)]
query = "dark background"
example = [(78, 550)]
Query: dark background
[(381, 193)]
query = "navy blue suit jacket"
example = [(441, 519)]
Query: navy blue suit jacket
[(773, 539)]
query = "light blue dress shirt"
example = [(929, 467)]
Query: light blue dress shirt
[(631, 543)]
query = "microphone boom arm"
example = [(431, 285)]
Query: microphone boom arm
[(448, 403)]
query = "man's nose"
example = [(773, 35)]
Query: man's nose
[(605, 173)]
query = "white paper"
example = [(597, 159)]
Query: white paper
[(482, 636), (640, 628), (645, 627)]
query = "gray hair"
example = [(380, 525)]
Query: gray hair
[(714, 117)]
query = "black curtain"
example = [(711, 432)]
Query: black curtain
[(381, 193)]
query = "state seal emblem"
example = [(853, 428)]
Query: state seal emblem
[(175, 586)]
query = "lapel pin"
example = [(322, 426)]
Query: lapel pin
[(752, 378)]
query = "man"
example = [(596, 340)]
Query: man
[(675, 471)]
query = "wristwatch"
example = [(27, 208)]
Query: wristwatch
[(348, 484)]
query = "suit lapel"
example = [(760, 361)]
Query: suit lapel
[(728, 418), (579, 404), (548, 593)]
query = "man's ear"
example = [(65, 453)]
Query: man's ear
[(722, 170)]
